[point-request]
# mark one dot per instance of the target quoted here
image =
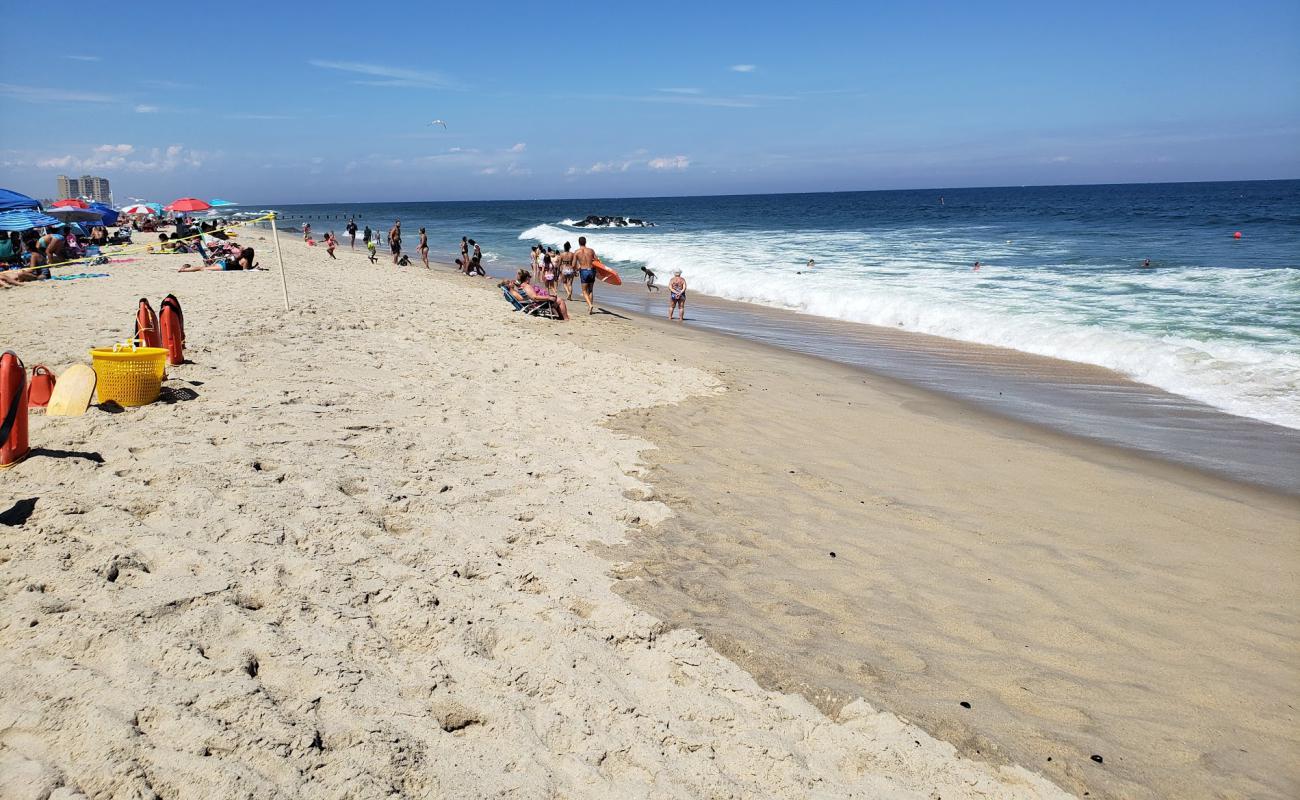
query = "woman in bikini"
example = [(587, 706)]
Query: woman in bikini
[(677, 294), (424, 247), (567, 270), (330, 244)]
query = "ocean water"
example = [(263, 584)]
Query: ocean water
[(1214, 318)]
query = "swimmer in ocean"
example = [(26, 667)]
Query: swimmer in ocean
[(811, 264), (1146, 263), (975, 268)]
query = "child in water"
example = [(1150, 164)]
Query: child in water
[(650, 280)]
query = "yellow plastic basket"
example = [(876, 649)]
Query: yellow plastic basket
[(128, 375)]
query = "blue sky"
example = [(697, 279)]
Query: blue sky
[(272, 102)]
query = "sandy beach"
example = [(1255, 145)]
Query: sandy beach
[(404, 542)]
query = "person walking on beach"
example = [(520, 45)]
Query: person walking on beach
[(306, 231), (330, 244), (464, 253), (372, 247), (566, 277), (366, 236), (352, 233), (677, 295), (585, 259), (650, 285), (424, 247), (395, 240)]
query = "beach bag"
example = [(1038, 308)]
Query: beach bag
[(13, 409), (146, 325), (41, 386), (172, 323)]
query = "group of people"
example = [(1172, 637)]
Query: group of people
[(26, 256), (551, 270)]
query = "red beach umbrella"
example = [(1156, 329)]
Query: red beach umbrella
[(71, 202), (188, 204)]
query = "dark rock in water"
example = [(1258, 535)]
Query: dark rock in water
[(599, 221)]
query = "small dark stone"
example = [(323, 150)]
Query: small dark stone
[(1049, 758), (1097, 758), (965, 704), (832, 554), (444, 489)]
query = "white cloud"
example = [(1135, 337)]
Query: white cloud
[(682, 91), (117, 157), (743, 67), (488, 171), (84, 58), (388, 76), (669, 163), (34, 94), (519, 148), (145, 109)]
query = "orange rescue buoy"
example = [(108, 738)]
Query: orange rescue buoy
[(13, 410), (42, 386), (172, 322), (146, 325)]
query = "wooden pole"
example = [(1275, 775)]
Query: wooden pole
[(284, 281)]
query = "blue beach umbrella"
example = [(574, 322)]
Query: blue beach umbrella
[(107, 212), (24, 219), (216, 201), (13, 200)]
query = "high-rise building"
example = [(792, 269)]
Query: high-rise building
[(88, 187), (96, 189)]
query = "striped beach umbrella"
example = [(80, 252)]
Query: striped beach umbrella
[(139, 208), (24, 219)]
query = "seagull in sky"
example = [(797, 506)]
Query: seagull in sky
[(439, 122)]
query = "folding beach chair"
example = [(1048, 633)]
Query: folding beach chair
[(533, 308)]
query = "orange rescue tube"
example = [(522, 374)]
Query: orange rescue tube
[(146, 325), (13, 410), (172, 323)]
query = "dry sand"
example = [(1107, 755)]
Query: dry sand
[(360, 564)]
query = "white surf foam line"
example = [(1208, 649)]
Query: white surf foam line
[(1195, 331)]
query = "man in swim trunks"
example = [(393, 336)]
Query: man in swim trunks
[(585, 257), (395, 240), (352, 233)]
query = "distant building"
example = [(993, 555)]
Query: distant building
[(89, 187)]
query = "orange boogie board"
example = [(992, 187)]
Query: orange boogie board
[(606, 274)]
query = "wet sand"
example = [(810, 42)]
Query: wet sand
[(1080, 399), (1082, 599)]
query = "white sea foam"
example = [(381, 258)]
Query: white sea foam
[(1194, 331)]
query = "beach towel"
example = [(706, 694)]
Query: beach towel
[(79, 275)]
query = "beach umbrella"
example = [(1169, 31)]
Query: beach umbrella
[(157, 208), (13, 200), (24, 219), (66, 214), (107, 212), (217, 201), (138, 209), (188, 204), (72, 202)]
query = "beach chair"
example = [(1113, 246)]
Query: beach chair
[(533, 308)]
